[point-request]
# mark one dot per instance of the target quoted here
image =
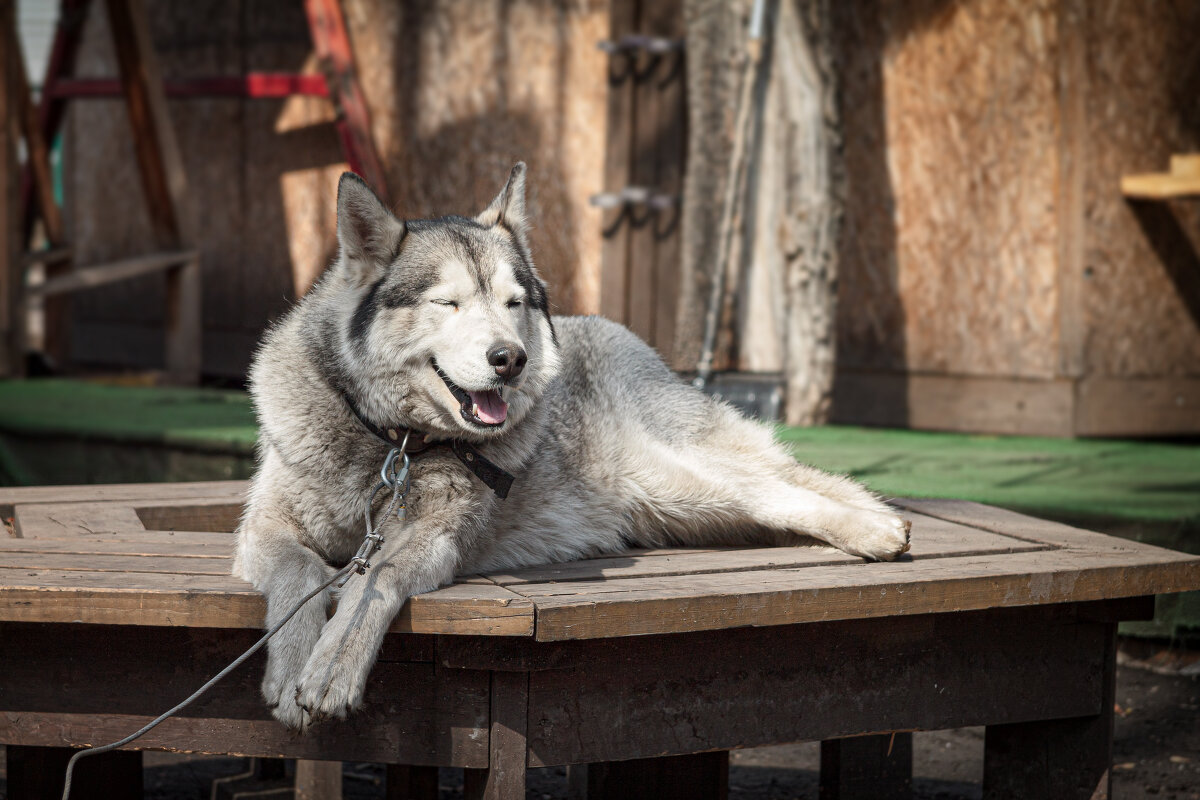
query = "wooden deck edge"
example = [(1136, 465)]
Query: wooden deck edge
[(612, 616)]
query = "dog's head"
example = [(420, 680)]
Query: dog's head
[(449, 323)]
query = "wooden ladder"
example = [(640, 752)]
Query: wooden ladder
[(164, 181)]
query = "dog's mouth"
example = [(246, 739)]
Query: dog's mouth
[(484, 408)]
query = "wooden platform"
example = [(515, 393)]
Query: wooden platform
[(160, 555), (993, 619)]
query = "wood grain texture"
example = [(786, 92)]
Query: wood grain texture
[(1057, 759), (1140, 69), (956, 403), (657, 695), (95, 562), (62, 695), (504, 777), (11, 275), (950, 259)]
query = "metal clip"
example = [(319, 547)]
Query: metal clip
[(634, 196)]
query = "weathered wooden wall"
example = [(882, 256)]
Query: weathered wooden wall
[(993, 277), (459, 90)]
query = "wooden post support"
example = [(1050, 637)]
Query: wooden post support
[(11, 319), (405, 782), (1061, 759), (700, 776), (36, 773), (867, 768), (37, 156), (163, 181), (504, 779), (318, 780)]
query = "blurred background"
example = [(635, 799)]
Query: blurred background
[(952, 247)]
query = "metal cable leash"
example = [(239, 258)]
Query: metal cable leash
[(393, 477)]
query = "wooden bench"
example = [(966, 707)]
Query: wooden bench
[(116, 602)]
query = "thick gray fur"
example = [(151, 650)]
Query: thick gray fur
[(608, 448)]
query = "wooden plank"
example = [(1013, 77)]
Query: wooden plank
[(74, 519), (56, 313), (932, 538), (666, 19), (318, 780), (467, 609), (222, 601), (1073, 163), (623, 699), (142, 543), (116, 271), (56, 520), (217, 514), (1138, 406), (956, 403), (620, 125), (73, 688), (504, 779), (159, 162), (121, 563), (12, 318), (1023, 526), (15, 495), (639, 606), (1056, 759), (640, 273), (163, 180), (1160, 186)]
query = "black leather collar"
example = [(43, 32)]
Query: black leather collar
[(493, 477)]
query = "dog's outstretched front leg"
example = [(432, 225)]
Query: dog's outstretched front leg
[(415, 559), (272, 558)]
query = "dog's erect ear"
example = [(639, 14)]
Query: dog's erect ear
[(368, 233), (508, 209)]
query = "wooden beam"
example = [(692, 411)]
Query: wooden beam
[(102, 274), (12, 319), (1182, 181), (163, 180), (333, 48), (505, 776)]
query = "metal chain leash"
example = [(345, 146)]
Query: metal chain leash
[(394, 476)]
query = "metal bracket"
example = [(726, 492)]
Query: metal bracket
[(656, 45), (634, 196)]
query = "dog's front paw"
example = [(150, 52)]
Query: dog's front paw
[(329, 687), (879, 536), (290, 714)]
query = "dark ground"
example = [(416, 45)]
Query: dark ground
[(1157, 751)]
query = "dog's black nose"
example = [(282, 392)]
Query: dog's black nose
[(508, 359)]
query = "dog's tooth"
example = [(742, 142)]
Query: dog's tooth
[(475, 409)]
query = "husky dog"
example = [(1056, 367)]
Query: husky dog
[(442, 328)]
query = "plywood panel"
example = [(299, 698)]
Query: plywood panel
[(1144, 77), (458, 91), (950, 250), (108, 207)]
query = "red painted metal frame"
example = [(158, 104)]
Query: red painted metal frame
[(332, 44), (253, 85), (339, 83)]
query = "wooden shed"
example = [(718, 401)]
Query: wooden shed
[(992, 276)]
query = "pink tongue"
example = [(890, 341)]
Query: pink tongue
[(492, 408)]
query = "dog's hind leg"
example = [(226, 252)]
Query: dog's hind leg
[(736, 485), (271, 556)]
